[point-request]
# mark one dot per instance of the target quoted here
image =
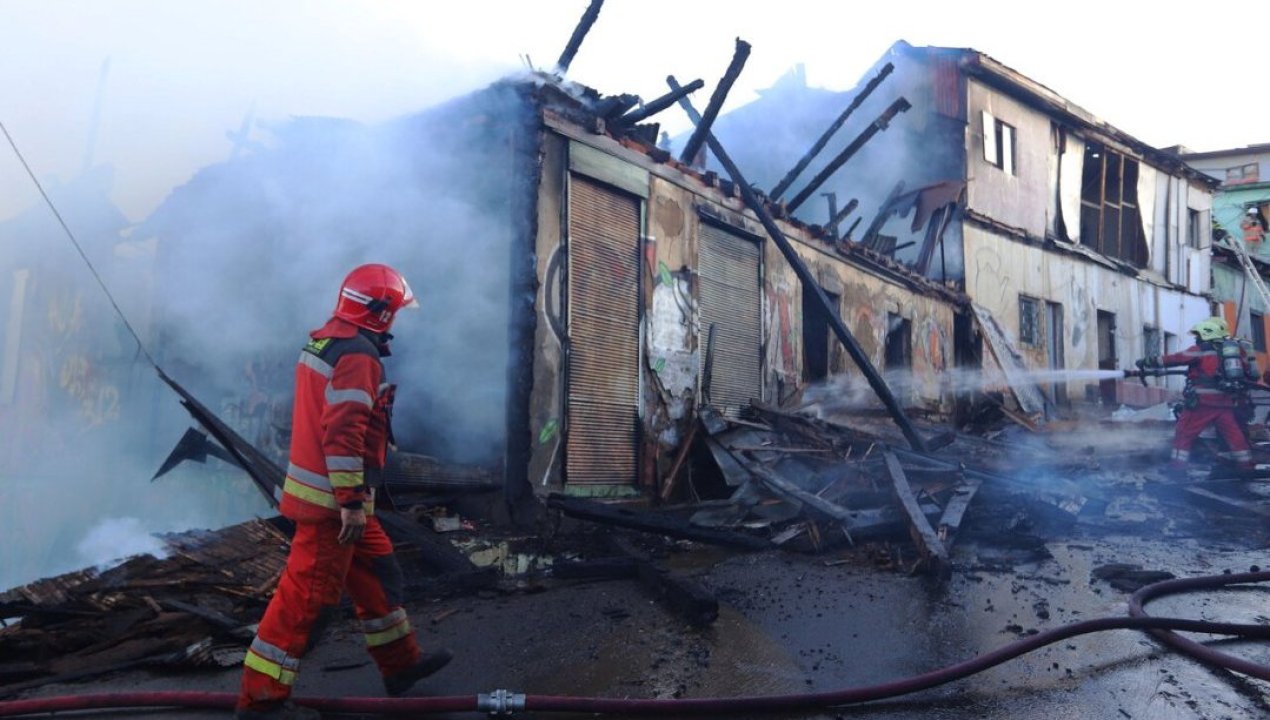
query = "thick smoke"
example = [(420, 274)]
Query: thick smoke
[(223, 282)]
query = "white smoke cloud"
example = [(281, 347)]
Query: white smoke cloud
[(115, 539)]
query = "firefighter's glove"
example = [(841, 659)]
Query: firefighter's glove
[(352, 525), (1149, 362)]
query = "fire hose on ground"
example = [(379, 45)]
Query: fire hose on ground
[(503, 702)]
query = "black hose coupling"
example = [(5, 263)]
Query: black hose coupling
[(500, 702)]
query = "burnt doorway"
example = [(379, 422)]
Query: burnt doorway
[(1107, 358), (1054, 350), (731, 312), (602, 410), (816, 345)]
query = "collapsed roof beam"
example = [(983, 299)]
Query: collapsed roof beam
[(716, 102), (881, 123), (661, 103), (808, 280), (819, 145), (579, 32), (832, 227)]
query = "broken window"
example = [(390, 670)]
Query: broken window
[(1243, 174), (1258, 322), (1029, 321), (1110, 222), (1193, 228), (998, 143), (1151, 346), (816, 343), (899, 344)]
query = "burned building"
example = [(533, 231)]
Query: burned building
[(584, 293), (1071, 235)]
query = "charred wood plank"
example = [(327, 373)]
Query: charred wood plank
[(619, 568), (436, 552), (655, 106), (832, 227), (672, 476), (955, 510), (651, 522), (716, 102), (820, 143), (235, 628), (808, 280), (683, 595), (928, 543), (579, 34), (881, 123)]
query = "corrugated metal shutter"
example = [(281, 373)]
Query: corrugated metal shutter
[(731, 301), (603, 407)]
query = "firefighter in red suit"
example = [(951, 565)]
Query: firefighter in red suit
[(340, 434), (1214, 395)]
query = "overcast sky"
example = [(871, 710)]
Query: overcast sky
[(183, 74)]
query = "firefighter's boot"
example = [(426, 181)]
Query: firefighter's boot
[(401, 682)]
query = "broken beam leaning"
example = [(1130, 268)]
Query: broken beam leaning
[(703, 124), (928, 543), (805, 277), (881, 123), (655, 106), (579, 33)]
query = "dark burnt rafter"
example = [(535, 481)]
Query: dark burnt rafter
[(579, 34), (698, 137), (655, 106), (836, 220), (804, 275), (881, 123), (833, 128)]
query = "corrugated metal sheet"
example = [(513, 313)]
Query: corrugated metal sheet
[(731, 301), (603, 407)]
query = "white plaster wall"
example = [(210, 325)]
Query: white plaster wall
[(1021, 200), (1000, 269)]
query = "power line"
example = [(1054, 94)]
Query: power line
[(123, 318)]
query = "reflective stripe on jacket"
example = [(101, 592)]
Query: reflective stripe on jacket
[(336, 434)]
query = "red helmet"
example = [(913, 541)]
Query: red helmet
[(371, 296)]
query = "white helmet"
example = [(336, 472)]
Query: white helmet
[(1252, 211)]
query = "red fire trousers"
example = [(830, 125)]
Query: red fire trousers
[(1192, 422), (318, 570)]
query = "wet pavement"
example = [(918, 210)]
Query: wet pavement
[(793, 623)]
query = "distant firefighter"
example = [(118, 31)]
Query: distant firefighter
[(1219, 369)]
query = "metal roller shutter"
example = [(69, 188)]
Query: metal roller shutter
[(731, 300), (603, 405)]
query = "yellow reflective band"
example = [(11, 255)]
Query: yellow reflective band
[(347, 479), (303, 492), (270, 668), (384, 637)]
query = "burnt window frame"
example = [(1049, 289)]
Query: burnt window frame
[(1031, 323), (898, 342), (1194, 223), (1110, 215), (1257, 323)]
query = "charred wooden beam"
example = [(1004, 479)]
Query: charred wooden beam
[(655, 106), (819, 145), (934, 556), (266, 475), (832, 227), (614, 106), (883, 212), (880, 123), (681, 594), (716, 102), (651, 522), (809, 281), (851, 229), (579, 33)]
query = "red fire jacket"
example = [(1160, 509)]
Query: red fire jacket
[(339, 423), (1203, 373)]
